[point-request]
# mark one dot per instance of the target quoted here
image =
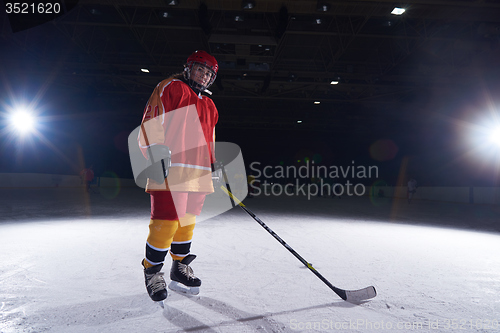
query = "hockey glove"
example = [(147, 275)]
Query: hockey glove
[(160, 157), (217, 176)]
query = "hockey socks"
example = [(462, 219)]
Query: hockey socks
[(161, 233), (176, 236), (181, 242)]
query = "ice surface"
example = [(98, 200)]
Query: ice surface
[(70, 262)]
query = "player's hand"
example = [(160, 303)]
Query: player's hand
[(217, 175), (161, 155)]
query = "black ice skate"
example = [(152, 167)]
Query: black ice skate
[(155, 284), (183, 279)]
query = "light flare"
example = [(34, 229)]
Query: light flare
[(23, 121)]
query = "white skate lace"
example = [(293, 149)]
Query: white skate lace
[(157, 283), (187, 271)]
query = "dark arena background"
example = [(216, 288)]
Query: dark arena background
[(336, 105)]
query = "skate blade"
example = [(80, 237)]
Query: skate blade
[(179, 287), (161, 304)]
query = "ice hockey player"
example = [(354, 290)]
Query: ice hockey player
[(177, 201)]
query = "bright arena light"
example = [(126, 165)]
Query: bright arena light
[(481, 139), (398, 11), (495, 135), (22, 121)]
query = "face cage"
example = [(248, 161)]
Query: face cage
[(192, 83)]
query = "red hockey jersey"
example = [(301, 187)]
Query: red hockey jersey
[(177, 117)]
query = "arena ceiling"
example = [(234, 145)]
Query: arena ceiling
[(276, 58)]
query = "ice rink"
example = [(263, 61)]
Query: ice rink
[(70, 262)]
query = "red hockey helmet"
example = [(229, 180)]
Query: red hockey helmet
[(202, 58), (205, 59)]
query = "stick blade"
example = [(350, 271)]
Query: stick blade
[(360, 295)]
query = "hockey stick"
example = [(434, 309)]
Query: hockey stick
[(353, 296)]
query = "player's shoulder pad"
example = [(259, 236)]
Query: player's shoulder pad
[(172, 83)]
